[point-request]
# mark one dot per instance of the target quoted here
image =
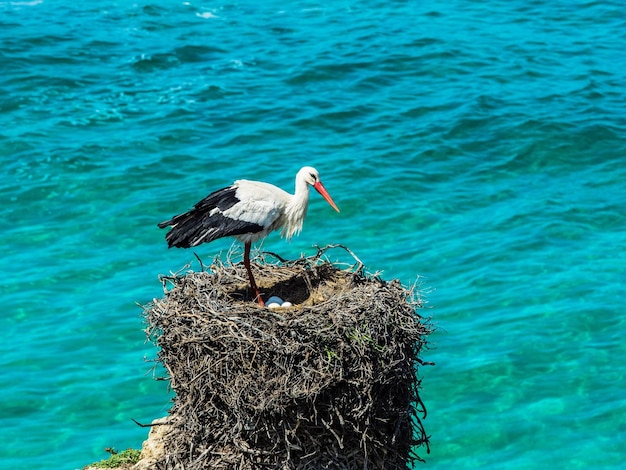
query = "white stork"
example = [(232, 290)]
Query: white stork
[(249, 211)]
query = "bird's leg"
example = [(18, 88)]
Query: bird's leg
[(246, 263)]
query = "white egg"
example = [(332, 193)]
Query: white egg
[(274, 299), (273, 305), (287, 304)]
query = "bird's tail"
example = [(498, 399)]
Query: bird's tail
[(185, 233), (167, 223)]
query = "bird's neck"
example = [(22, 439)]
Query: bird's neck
[(296, 210)]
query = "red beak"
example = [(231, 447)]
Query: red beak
[(319, 187)]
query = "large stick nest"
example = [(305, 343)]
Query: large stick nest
[(328, 383)]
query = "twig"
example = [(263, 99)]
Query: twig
[(150, 424)]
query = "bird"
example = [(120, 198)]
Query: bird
[(247, 210)]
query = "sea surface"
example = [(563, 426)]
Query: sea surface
[(476, 149)]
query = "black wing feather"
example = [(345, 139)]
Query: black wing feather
[(200, 226)]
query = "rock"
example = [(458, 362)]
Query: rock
[(153, 448)]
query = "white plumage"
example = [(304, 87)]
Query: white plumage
[(249, 211)]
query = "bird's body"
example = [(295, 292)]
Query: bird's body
[(247, 210)]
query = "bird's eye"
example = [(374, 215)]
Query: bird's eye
[(313, 176)]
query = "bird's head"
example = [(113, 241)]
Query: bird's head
[(311, 176)]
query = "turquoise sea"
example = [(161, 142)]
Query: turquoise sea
[(477, 148)]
